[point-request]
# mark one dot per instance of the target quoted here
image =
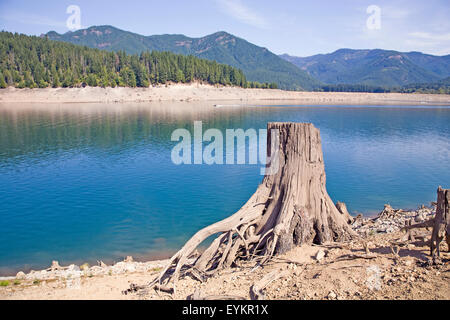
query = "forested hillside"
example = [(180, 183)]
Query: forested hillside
[(257, 63), (27, 61), (439, 87)]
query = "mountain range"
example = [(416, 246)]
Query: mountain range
[(257, 63), (376, 67), (383, 68)]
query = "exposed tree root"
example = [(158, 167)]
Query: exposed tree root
[(290, 207), (256, 290), (357, 256)]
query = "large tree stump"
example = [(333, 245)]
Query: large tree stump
[(290, 207), (441, 225)]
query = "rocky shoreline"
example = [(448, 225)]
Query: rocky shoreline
[(389, 220), (57, 272)]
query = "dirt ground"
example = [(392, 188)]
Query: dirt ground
[(346, 271)]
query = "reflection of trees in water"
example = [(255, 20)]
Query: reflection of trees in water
[(30, 129), (114, 127)]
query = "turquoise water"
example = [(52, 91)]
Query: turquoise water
[(96, 182)]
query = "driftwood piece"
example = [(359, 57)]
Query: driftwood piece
[(352, 256), (389, 212), (290, 207), (395, 249), (256, 290), (426, 224), (162, 288), (441, 226), (409, 234)]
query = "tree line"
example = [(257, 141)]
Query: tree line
[(441, 87), (37, 62)]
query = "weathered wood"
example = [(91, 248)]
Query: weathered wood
[(290, 207), (409, 235), (426, 224), (343, 210), (441, 227), (256, 290)]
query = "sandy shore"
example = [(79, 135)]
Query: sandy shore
[(201, 92)]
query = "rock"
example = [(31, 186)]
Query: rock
[(96, 270), (73, 267), (331, 295), (320, 255), (130, 267), (388, 208), (409, 262), (20, 275), (84, 266), (420, 218), (101, 264), (55, 265), (128, 259), (358, 221), (31, 275)]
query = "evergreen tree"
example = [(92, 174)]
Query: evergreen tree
[(28, 61), (8, 77), (2, 82)]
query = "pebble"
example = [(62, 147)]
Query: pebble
[(84, 267), (320, 255), (409, 262), (332, 295)]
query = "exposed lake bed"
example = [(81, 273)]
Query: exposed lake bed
[(197, 91)]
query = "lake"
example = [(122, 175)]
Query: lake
[(87, 182)]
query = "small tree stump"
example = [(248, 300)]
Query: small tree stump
[(441, 227)]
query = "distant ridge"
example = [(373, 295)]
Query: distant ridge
[(257, 63), (376, 67)]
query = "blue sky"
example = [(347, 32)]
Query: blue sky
[(299, 28)]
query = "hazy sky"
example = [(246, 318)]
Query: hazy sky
[(299, 28)]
